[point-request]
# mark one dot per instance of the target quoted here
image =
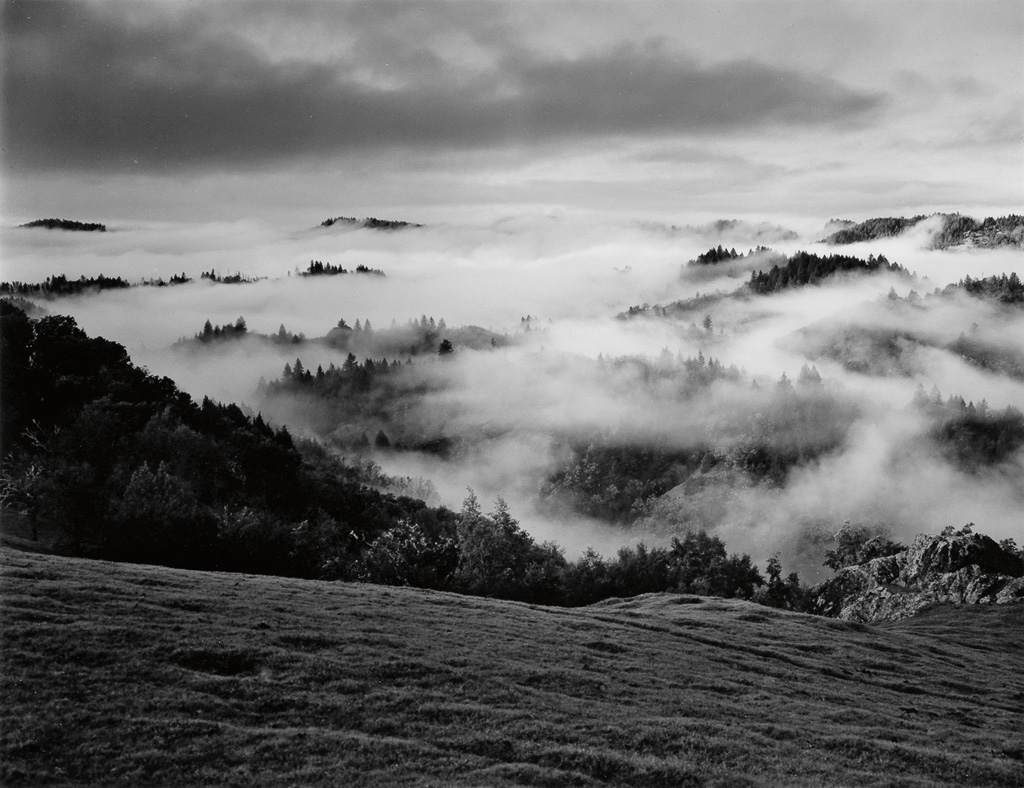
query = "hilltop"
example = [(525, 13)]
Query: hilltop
[(953, 230), (369, 223), (118, 674), (66, 224)]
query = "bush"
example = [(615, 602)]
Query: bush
[(856, 545)]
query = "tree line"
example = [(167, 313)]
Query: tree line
[(320, 268), (971, 435), (956, 229), (804, 268), (871, 229), (622, 478), (1002, 288), (237, 278), (719, 254), (60, 285), (66, 224), (798, 270), (370, 223)]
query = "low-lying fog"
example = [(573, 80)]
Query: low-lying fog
[(572, 276)]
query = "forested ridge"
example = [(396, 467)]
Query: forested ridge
[(804, 268), (60, 285), (775, 272), (370, 223), (127, 467), (872, 229), (320, 268), (1006, 289), (954, 230), (624, 478), (66, 224), (416, 337)]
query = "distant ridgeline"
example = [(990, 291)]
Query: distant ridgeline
[(414, 338), (804, 268), (1003, 288), (239, 330), (235, 330), (871, 229), (230, 279), (370, 223), (721, 255), (956, 230), (66, 224), (801, 269), (320, 268), (60, 285)]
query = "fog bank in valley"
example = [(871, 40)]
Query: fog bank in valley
[(557, 379)]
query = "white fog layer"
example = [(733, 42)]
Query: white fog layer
[(556, 290)]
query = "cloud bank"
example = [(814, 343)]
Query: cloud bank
[(93, 87)]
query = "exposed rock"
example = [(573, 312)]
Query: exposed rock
[(959, 567), (1011, 592)]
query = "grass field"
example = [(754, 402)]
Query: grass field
[(135, 675)]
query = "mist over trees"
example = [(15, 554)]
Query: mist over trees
[(742, 409), (66, 224), (370, 223), (872, 229), (118, 464), (953, 230), (1002, 288), (785, 272), (60, 285), (809, 269), (320, 268)]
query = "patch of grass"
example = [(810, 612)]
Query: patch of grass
[(132, 675), (605, 647), (306, 642), (224, 662)]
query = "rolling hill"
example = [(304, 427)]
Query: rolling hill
[(952, 230), (119, 674)]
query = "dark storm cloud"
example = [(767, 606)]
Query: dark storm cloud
[(90, 88)]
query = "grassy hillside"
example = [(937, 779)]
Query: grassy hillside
[(135, 675)]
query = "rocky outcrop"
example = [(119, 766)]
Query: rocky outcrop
[(959, 567)]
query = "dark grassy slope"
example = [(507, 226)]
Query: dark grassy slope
[(132, 675)]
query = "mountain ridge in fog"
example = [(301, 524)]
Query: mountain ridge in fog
[(516, 416), (66, 224), (947, 231)]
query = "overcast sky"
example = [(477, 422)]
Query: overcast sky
[(434, 111)]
